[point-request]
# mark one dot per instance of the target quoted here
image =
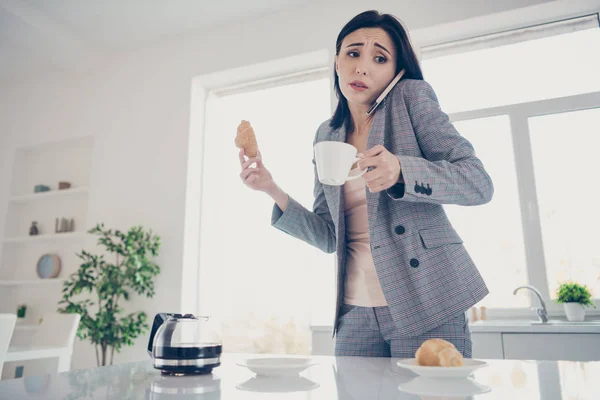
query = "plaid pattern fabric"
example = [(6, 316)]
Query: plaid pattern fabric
[(371, 332), (425, 272)]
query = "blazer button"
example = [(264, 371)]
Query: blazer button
[(400, 230), (417, 188), (428, 191), (414, 263)]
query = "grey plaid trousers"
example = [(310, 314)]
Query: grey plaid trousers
[(371, 332)]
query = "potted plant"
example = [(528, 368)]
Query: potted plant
[(574, 297), (109, 284), (21, 310)]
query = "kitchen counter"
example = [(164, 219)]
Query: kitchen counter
[(342, 378), (513, 325), (523, 326)]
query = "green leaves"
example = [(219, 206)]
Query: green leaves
[(574, 293), (132, 270)]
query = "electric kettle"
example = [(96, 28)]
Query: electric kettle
[(184, 344)]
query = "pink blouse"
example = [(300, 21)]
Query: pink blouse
[(362, 287)]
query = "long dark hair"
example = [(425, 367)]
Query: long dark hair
[(406, 57)]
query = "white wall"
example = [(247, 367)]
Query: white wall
[(137, 109)]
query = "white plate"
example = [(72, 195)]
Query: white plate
[(467, 369), (278, 366), (462, 387)]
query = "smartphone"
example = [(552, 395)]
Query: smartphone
[(385, 92)]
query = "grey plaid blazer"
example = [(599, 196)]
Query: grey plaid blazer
[(426, 274)]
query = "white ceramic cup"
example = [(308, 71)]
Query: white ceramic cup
[(334, 162)]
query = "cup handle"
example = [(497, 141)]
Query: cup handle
[(356, 176)]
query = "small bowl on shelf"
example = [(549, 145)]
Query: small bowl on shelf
[(41, 188)]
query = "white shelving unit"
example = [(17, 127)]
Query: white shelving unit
[(41, 238), (31, 282), (46, 195), (47, 164)]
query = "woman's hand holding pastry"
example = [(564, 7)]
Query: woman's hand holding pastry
[(258, 177)]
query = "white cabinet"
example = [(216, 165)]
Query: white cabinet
[(487, 345), (323, 344), (551, 346), (529, 340), (537, 346)]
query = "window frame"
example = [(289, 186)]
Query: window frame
[(519, 115)]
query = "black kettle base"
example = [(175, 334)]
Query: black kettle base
[(186, 370)]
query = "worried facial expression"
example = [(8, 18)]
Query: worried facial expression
[(365, 65)]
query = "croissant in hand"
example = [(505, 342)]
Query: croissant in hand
[(438, 353), (246, 139)]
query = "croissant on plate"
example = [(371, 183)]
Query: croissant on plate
[(438, 353)]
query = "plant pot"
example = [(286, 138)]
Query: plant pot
[(575, 312)]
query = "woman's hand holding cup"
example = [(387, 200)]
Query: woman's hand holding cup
[(385, 169)]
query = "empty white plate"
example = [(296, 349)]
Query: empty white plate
[(277, 366), (467, 369), (462, 387)]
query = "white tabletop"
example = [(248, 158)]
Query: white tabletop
[(347, 378)]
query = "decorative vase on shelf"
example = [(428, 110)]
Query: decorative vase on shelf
[(48, 266), (21, 309), (33, 230), (41, 188), (575, 311)]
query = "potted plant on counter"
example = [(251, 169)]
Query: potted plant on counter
[(574, 297), (21, 309)]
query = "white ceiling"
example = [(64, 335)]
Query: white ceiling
[(57, 36)]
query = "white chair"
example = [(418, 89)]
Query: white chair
[(53, 338), (7, 326)]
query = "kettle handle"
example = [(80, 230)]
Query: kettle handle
[(159, 319)]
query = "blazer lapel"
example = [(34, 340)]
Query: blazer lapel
[(376, 137)]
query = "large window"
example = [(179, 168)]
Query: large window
[(529, 101), (565, 161), (494, 230), (266, 286)]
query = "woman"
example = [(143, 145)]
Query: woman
[(404, 275)]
